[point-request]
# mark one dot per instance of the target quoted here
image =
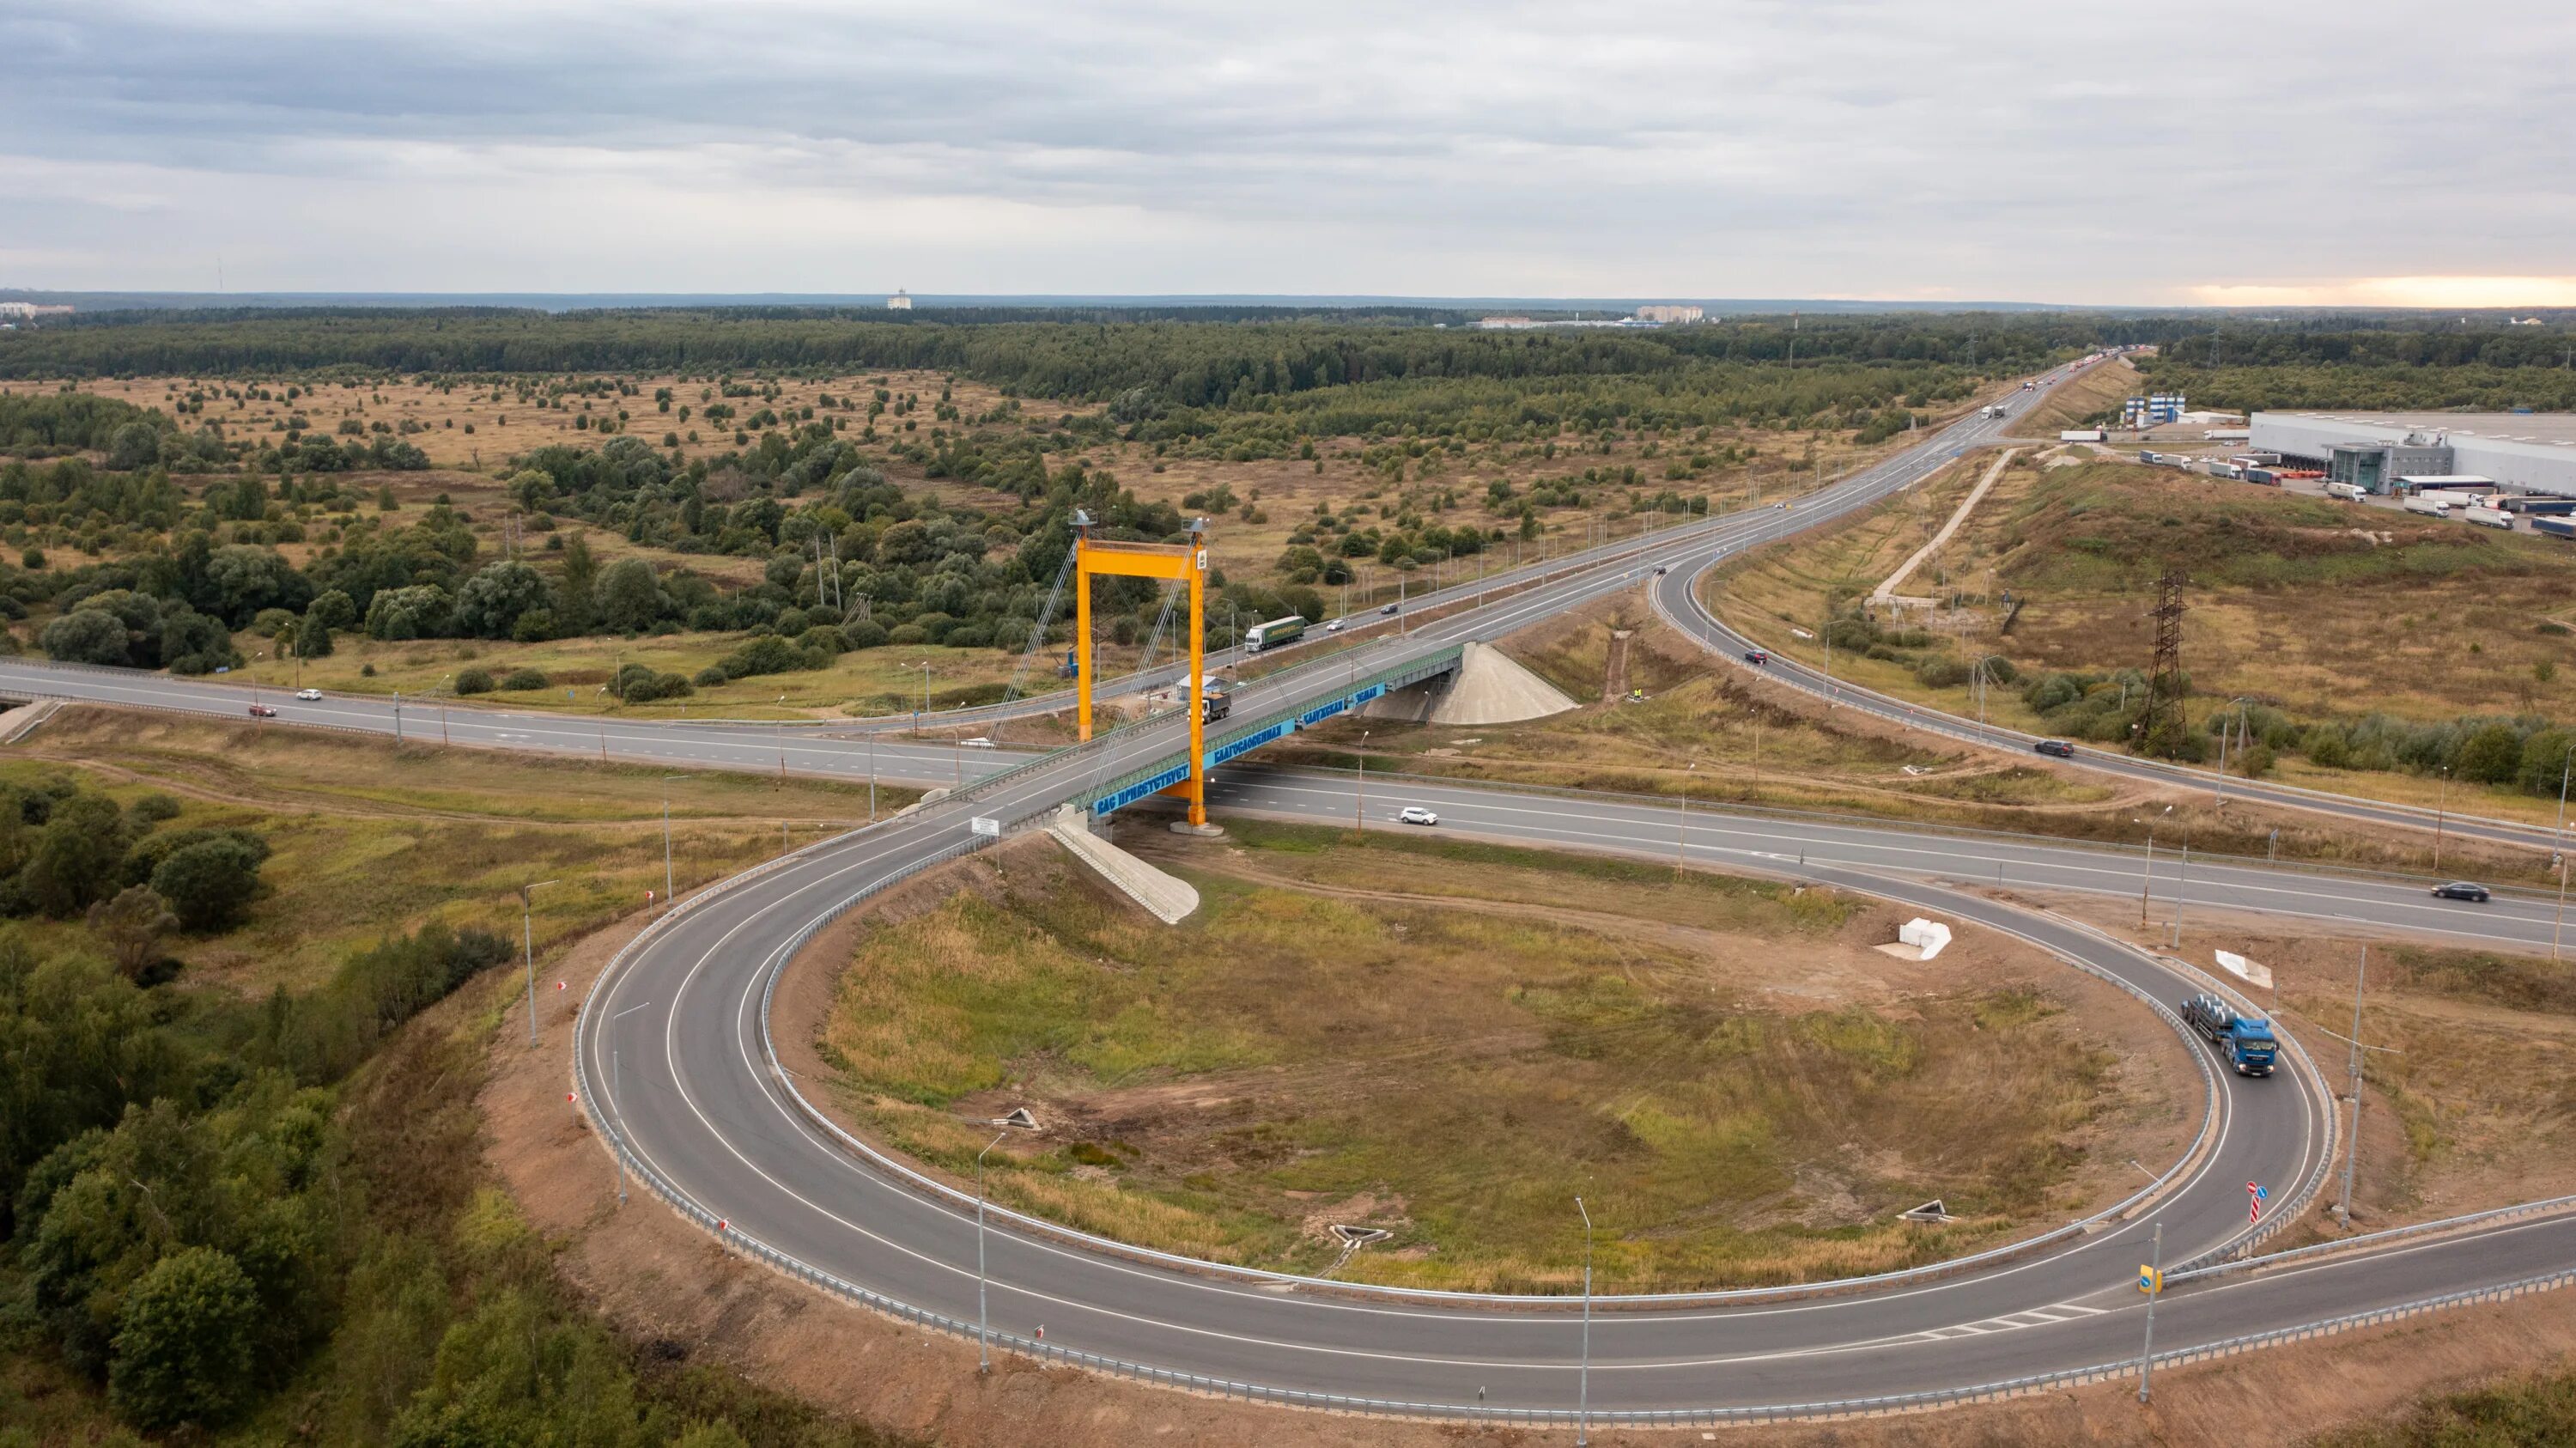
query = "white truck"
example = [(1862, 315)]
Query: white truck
[(2349, 492), (2486, 517), (2429, 507)]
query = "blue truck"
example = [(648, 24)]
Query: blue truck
[(2245, 1041)]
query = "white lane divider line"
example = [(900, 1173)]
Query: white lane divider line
[(2012, 1322)]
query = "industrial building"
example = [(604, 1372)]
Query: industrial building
[(1673, 312), (2145, 412), (2527, 452)]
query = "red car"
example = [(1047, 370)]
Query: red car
[(1757, 656), (262, 711)]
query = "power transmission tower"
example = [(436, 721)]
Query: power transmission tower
[(2160, 725)]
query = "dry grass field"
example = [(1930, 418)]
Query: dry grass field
[(372, 840), (1741, 1087), (2322, 610), (2080, 399)]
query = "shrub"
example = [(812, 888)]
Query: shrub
[(185, 1341), (713, 676), (867, 633), (473, 681), (768, 654), (209, 884), (913, 633), (524, 679)]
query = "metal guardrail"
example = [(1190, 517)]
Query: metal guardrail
[(2372, 1241)]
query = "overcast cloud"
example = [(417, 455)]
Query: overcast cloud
[(2290, 150)]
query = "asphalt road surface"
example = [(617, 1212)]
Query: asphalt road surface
[(673, 1057)]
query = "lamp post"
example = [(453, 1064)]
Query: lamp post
[(2149, 883), (2441, 807), (1017, 1121), (2558, 834), (2238, 704), (1359, 818), (2155, 1274), (925, 698), (666, 839), (1681, 837), (1583, 1383), (528, 943)]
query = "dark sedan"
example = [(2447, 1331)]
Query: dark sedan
[(2055, 748), (2462, 890)]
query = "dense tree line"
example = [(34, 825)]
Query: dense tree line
[(1189, 363)]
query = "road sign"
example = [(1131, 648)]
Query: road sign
[(2150, 1280), (986, 826), (2255, 1196)]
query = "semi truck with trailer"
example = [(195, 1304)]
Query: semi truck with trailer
[(2429, 507), (2349, 492), (1271, 635), (2245, 1042), (2490, 518), (2555, 527)]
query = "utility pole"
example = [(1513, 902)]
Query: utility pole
[(1359, 818), (666, 839), (1681, 837)]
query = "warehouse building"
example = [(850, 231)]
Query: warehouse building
[(2527, 452)]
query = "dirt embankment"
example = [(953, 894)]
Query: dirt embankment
[(660, 1282)]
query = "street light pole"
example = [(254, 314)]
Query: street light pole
[(528, 943), (1681, 837), (666, 839), (2352, 1149), (1016, 1121), (2155, 1271), (1583, 1383), (1359, 819), (2441, 807)]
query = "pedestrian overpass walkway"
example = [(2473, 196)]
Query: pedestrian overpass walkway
[(1238, 737)]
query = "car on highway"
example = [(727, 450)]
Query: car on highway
[(262, 711), (309, 696), (1414, 814), (2462, 890), (978, 742), (1662, 568), (1389, 610), (2055, 748), (1334, 627), (1757, 656)]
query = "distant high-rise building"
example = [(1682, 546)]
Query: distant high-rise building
[(1668, 312), (899, 302)]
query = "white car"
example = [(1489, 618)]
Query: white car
[(978, 742), (1334, 627), (309, 696), (1414, 814)]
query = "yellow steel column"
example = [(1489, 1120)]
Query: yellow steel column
[(1198, 677), (1082, 630)]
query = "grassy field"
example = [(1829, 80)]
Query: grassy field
[(1696, 730), (371, 840), (2323, 611), (1741, 1089), (886, 680)]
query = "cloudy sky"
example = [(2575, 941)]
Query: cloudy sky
[(2260, 151)]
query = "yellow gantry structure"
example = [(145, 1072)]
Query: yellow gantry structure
[(1172, 563)]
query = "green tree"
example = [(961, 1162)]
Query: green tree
[(334, 608), (184, 1341), (313, 638), (2493, 755), (76, 856), (490, 604), (629, 598), (87, 636), (131, 926), (210, 883)]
